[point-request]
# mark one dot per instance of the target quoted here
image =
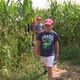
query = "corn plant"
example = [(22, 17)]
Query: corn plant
[(67, 25), (14, 37), (67, 16)]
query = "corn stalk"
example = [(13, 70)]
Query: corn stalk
[(14, 38)]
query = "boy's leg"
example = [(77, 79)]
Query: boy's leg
[(45, 66), (50, 61), (45, 69), (50, 73)]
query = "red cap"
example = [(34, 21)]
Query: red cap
[(39, 18), (49, 22)]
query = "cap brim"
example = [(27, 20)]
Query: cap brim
[(48, 24)]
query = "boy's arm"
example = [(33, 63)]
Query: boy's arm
[(57, 51), (37, 48)]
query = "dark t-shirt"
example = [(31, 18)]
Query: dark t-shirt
[(47, 46), (38, 28)]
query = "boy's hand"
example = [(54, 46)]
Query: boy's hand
[(57, 58), (36, 52)]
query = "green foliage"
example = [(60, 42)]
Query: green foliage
[(70, 53), (15, 41), (14, 38), (67, 21)]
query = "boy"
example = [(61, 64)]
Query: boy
[(47, 47), (38, 28)]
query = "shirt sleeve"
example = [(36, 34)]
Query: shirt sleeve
[(56, 38)]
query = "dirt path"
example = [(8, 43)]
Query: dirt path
[(63, 74)]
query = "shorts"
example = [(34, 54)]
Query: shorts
[(49, 61)]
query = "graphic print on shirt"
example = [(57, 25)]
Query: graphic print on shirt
[(47, 40)]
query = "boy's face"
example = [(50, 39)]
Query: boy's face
[(39, 21), (48, 28), (49, 24)]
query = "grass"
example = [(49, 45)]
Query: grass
[(71, 54), (30, 67)]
